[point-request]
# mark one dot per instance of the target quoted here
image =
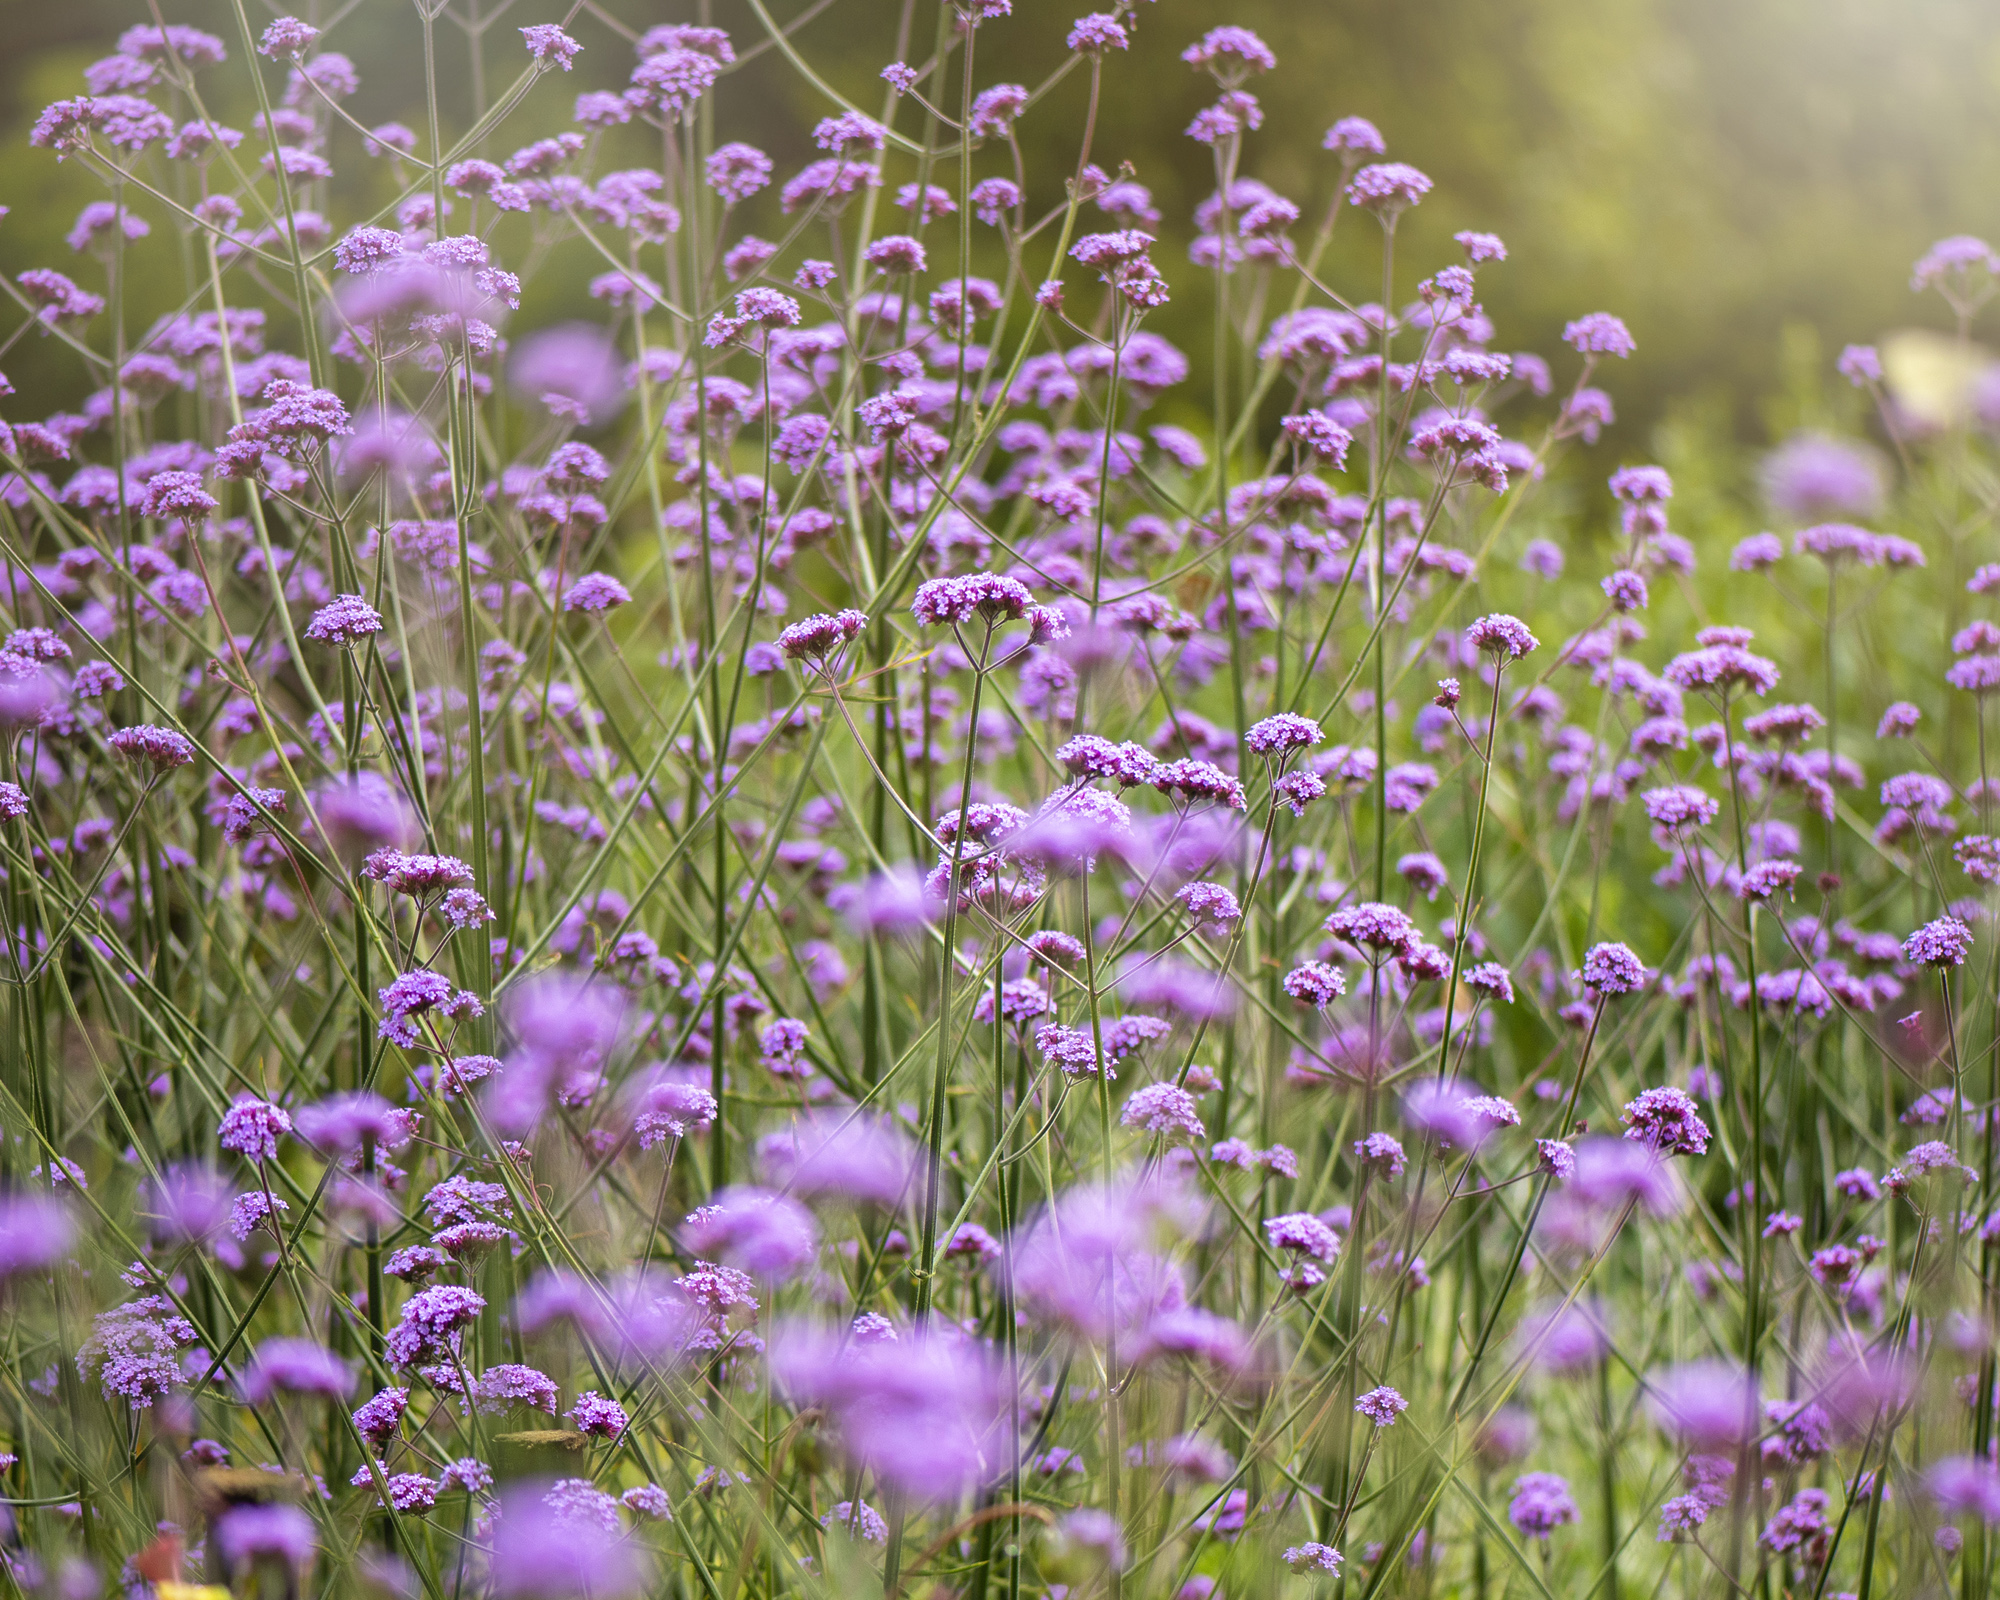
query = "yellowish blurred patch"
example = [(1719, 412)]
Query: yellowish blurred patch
[(1931, 375)]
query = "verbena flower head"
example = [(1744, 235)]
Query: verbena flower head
[(1376, 927), (822, 636), (1382, 1406), (1354, 137), (1097, 33), (1314, 1560), (1945, 942), (1501, 635), (346, 621), (1387, 188), (1961, 269), (252, 1128), (1599, 334), (1680, 807), (1722, 664), (286, 37), (1612, 969), (1230, 51), (1668, 1121), (549, 45), (1281, 734), (1163, 1108), (983, 595), (1304, 1234), (162, 749), (1541, 1504)]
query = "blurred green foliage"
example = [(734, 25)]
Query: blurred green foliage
[(1745, 181)]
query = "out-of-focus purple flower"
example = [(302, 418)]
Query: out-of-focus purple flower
[(1599, 333), (1860, 365), (1813, 478), (770, 1235), (1568, 1338), (188, 1204), (1613, 1173), (1859, 1387), (1758, 553), (1449, 1114), (564, 1027), (926, 1417), (295, 1366), (889, 902), (1899, 721), (1542, 1503), (1965, 1485), (550, 1546), (1706, 1404), (345, 1122), (1094, 1533), (572, 368), (1088, 1264), (280, 1534), (362, 814), (1195, 992), (35, 1234), (1387, 188), (849, 1155)]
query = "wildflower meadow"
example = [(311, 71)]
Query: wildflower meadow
[(892, 918)]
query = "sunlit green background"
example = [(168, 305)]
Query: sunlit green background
[(1745, 181)]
